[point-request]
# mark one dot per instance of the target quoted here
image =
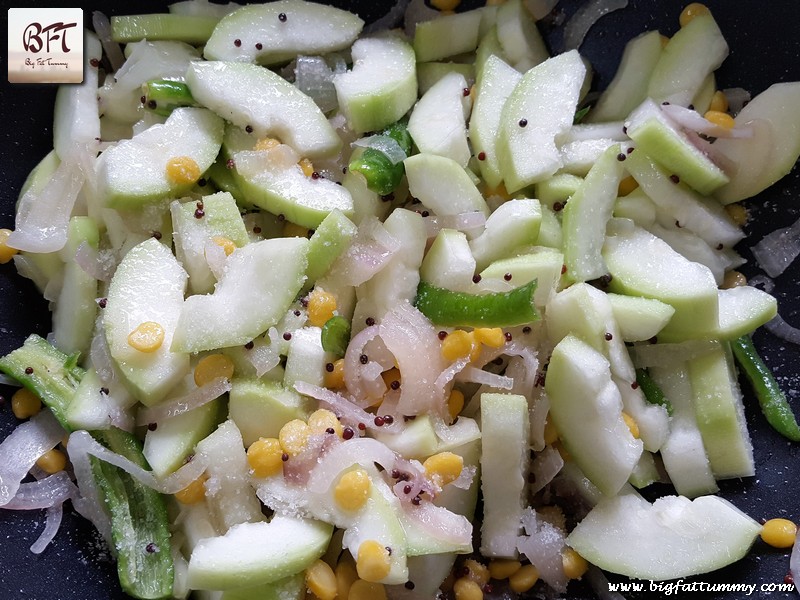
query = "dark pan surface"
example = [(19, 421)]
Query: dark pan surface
[(765, 49)]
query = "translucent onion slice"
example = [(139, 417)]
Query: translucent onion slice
[(542, 545), (360, 451), (51, 526), (42, 219), (97, 265), (370, 251), (585, 17), (440, 523), (194, 399), (778, 249), (20, 450), (412, 339), (44, 493), (475, 375), (102, 26), (547, 464), (385, 144)]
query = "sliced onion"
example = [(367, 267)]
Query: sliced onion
[(215, 258), (357, 451), (349, 413), (585, 17), (475, 375), (194, 399), (314, 77), (547, 464), (691, 119), (737, 99), (540, 407), (102, 26), (20, 450), (100, 354), (386, 144), (780, 328), (264, 355), (412, 339), (542, 545), (353, 369), (88, 504), (42, 218), (370, 251), (440, 523), (417, 12), (51, 526), (762, 282), (777, 250), (82, 442), (6, 380), (390, 20), (44, 493), (97, 265)]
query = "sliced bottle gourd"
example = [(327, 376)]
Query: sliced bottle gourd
[(584, 311), (277, 32), (428, 74), (230, 498), (539, 262), (437, 123), (273, 180), (192, 29), (447, 35), (586, 408), (449, 263), (382, 85), (744, 309), (702, 216), (584, 218), (252, 554), (504, 466), (76, 119), (146, 294), (720, 414), (513, 224), (519, 36), (260, 408), (306, 358), (694, 52), (639, 319), (643, 265), (280, 109), (659, 138), (683, 452), (221, 223), (443, 186), (773, 150), (497, 81), (628, 88), (671, 538), (397, 282), (333, 237), (273, 271), (191, 136), (76, 308), (541, 107), (378, 521), (167, 446)]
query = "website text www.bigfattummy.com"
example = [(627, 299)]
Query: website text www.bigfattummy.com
[(669, 588)]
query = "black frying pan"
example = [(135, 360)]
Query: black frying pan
[(765, 49)]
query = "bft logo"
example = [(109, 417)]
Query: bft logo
[(32, 36), (45, 45)]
